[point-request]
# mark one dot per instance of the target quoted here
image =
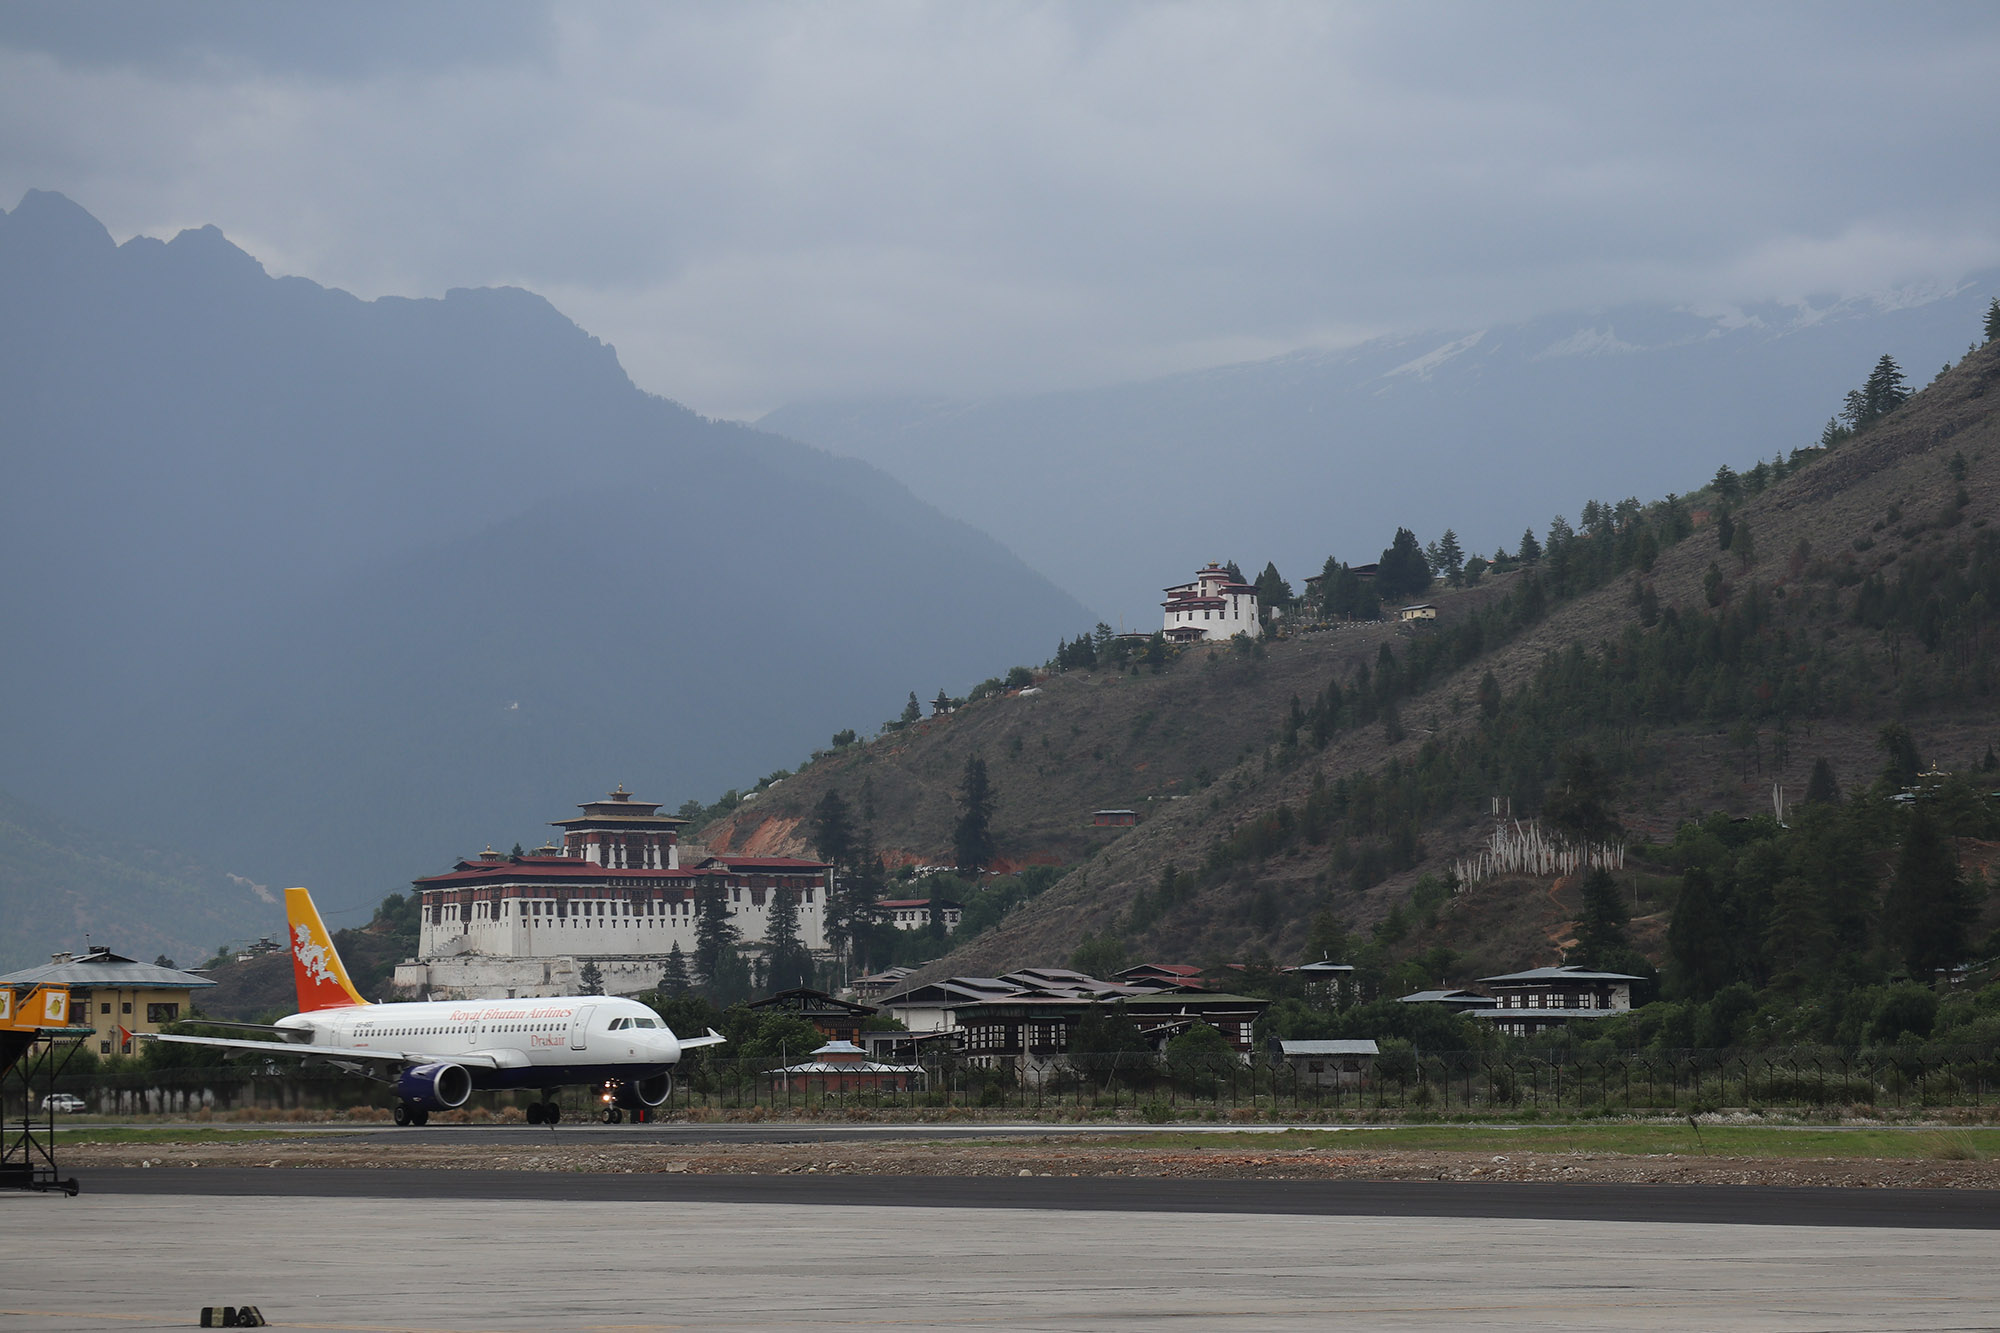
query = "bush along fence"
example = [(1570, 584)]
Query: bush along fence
[(1400, 1081)]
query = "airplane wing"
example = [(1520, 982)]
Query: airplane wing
[(713, 1038), (481, 1059)]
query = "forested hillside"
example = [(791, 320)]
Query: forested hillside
[(1825, 620)]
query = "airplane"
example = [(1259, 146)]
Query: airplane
[(437, 1053)]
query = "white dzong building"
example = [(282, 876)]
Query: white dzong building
[(614, 894), (1216, 605)]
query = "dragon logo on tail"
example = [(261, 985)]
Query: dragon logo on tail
[(316, 967)]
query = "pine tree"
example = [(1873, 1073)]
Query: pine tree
[(1531, 550), (1886, 389), (1728, 487), (1451, 559), (833, 833), (1601, 941), (674, 978), (1929, 909), (972, 840), (590, 981), (1993, 320), (1821, 788), (1403, 571), (1272, 590), (788, 960), (1700, 956), (714, 933), (912, 711)]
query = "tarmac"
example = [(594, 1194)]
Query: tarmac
[(452, 1252)]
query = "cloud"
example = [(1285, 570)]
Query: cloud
[(756, 203)]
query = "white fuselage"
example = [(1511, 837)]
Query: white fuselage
[(518, 1043)]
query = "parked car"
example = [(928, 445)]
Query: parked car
[(62, 1101)]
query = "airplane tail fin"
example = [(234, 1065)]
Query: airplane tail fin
[(316, 966)]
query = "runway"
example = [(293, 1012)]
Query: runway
[(390, 1252), (1684, 1204)]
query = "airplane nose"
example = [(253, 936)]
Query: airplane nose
[(662, 1047)]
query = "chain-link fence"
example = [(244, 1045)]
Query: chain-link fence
[(1398, 1083)]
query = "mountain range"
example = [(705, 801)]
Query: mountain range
[(1116, 492), (331, 591)]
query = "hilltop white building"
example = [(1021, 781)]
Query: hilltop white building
[(1216, 605)]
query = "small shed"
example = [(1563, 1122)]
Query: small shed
[(1328, 1064), (1421, 611), (1114, 818)]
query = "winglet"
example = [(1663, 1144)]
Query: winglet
[(713, 1038), (316, 966)]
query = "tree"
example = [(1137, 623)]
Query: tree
[(1099, 956), (912, 710), (590, 981), (1904, 763), (789, 961), (1403, 571), (1929, 909), (1106, 1043), (972, 840), (1821, 787), (1581, 802), (714, 933), (1450, 558), (1993, 319), (833, 831), (1700, 955), (1531, 550), (1601, 941), (1728, 487), (1490, 696), (1272, 590), (674, 978), (1885, 390)]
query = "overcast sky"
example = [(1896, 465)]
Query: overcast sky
[(757, 203)]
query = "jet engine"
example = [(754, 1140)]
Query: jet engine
[(436, 1087), (641, 1093)]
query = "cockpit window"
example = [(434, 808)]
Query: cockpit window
[(645, 1023)]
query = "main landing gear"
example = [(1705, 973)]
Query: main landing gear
[(406, 1114), (544, 1113)]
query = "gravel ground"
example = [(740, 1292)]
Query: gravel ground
[(1059, 1157)]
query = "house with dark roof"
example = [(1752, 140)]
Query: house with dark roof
[(836, 1020), (1545, 998)]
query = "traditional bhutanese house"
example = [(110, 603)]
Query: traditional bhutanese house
[(1324, 981), (1185, 634), (1217, 605), (1543, 998), (841, 1066), (836, 1020), (117, 997), (1029, 1032), (1460, 1000), (1421, 611), (1328, 1064), (928, 1008), (877, 984), (1162, 975), (1113, 818), (915, 913)]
